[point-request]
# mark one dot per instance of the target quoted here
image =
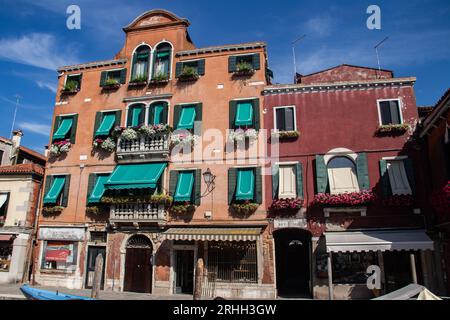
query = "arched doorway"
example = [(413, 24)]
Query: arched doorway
[(293, 262), (138, 264)]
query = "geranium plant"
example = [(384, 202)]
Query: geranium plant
[(152, 130), (286, 204), (345, 199), (107, 144), (59, 147), (244, 208), (242, 134), (392, 129), (399, 200)]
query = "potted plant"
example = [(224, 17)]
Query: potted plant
[(344, 199), (71, 86), (188, 74), (92, 210), (108, 144), (160, 78), (286, 205), (181, 209), (284, 135), (239, 135), (138, 81), (184, 139), (111, 84), (59, 147), (244, 208), (244, 68), (162, 199), (129, 134), (392, 129), (51, 210)]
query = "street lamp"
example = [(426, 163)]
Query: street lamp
[(208, 177)]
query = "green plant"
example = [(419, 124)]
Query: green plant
[(111, 82), (188, 73), (49, 210), (244, 67), (71, 85), (92, 210), (392, 129), (159, 199), (286, 134), (245, 208), (139, 79), (160, 77), (182, 209)]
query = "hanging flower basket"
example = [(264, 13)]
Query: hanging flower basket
[(399, 200), (52, 210), (246, 208), (240, 135), (440, 200), (286, 135), (108, 144), (286, 205), (59, 147), (392, 129), (184, 139), (182, 209), (344, 199)]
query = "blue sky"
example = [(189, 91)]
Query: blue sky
[(34, 41)]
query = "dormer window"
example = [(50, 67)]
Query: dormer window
[(162, 62), (141, 64)]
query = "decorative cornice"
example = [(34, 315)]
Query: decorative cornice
[(90, 65), (345, 85), (149, 97), (225, 48)]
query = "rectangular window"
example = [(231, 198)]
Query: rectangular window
[(390, 112), (6, 250), (342, 175), (398, 177), (232, 261), (113, 77), (108, 120), (285, 119), (287, 182), (187, 117), (4, 197), (64, 128), (244, 114), (350, 267), (136, 116), (98, 188), (185, 184), (245, 187), (1, 157), (73, 82), (60, 255), (55, 193), (244, 62), (162, 64)]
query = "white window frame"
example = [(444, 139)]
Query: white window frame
[(331, 178), (400, 107), (275, 129), (172, 53), (400, 159), (289, 196), (150, 64), (71, 74)]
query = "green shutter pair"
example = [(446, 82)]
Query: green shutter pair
[(244, 113), (185, 186), (96, 187), (232, 62), (104, 76), (65, 127), (244, 184), (276, 180), (54, 185), (186, 116), (386, 183), (158, 113), (105, 122), (136, 115), (179, 66)]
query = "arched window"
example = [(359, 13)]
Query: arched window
[(139, 241), (141, 64), (162, 61), (342, 175)]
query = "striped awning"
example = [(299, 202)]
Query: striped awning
[(213, 234)]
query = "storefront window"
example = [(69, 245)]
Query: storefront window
[(233, 262), (59, 255), (6, 249), (350, 267)]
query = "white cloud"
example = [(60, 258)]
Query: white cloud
[(37, 50), (34, 127), (46, 85), (319, 26)]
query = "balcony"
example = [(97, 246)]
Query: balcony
[(137, 214), (143, 148)]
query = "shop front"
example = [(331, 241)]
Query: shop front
[(13, 253)]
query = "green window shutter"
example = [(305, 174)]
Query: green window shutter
[(275, 180), (55, 191), (73, 130), (65, 197), (185, 186), (133, 67), (197, 186), (409, 168), (231, 184), (256, 61), (201, 67), (232, 113), (57, 123), (362, 171), (321, 175), (98, 120), (91, 183), (79, 81), (165, 113), (256, 114), (118, 118), (176, 115), (244, 114), (384, 179), (48, 184), (198, 118), (231, 63), (129, 116), (178, 69), (173, 178), (123, 75), (142, 115), (103, 77), (299, 179), (258, 185)]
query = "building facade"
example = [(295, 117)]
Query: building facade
[(348, 184), (151, 201)]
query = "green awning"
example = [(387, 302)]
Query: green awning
[(135, 176), (157, 114), (99, 189), (163, 54), (55, 190), (107, 123), (185, 183), (136, 114), (187, 118), (244, 114), (63, 129), (142, 55), (245, 184)]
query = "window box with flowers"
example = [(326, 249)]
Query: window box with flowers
[(157, 199), (240, 135), (152, 131), (182, 209), (52, 210), (399, 200), (440, 200), (188, 74), (286, 205), (111, 84), (58, 148), (139, 81), (286, 135), (71, 87), (244, 69), (344, 199), (392, 129), (184, 139), (105, 144), (244, 208), (160, 78)]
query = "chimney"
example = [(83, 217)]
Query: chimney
[(17, 137)]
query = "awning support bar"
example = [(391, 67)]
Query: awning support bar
[(413, 268), (330, 277)]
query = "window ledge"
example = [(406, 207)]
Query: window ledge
[(285, 135), (327, 211)]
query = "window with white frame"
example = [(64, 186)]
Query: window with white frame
[(59, 255), (398, 177), (342, 175), (4, 196), (389, 112), (287, 182), (285, 119)]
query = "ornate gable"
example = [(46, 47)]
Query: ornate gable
[(155, 19)]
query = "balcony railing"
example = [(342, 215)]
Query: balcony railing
[(143, 149), (137, 213)]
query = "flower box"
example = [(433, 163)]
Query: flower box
[(111, 84), (135, 84), (92, 210), (286, 135), (246, 208), (52, 210), (71, 87), (160, 79), (392, 129), (182, 209), (188, 74), (244, 69), (286, 205), (154, 130), (344, 199), (183, 139), (108, 144), (159, 199), (239, 135), (399, 200), (59, 147)]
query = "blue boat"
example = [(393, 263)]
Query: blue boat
[(39, 294)]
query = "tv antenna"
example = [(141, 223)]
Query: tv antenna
[(376, 51), (15, 113), (293, 53)]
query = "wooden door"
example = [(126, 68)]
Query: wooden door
[(138, 270)]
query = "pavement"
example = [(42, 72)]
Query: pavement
[(12, 292)]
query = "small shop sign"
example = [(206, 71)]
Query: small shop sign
[(63, 234), (290, 223)]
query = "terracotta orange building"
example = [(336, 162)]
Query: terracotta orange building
[(118, 184)]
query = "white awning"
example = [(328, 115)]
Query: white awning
[(213, 234), (377, 241)]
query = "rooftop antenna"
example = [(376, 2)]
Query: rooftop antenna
[(293, 53), (376, 51), (15, 113)]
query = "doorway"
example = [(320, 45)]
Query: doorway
[(397, 269), (293, 262), (138, 265), (93, 252), (184, 271)]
